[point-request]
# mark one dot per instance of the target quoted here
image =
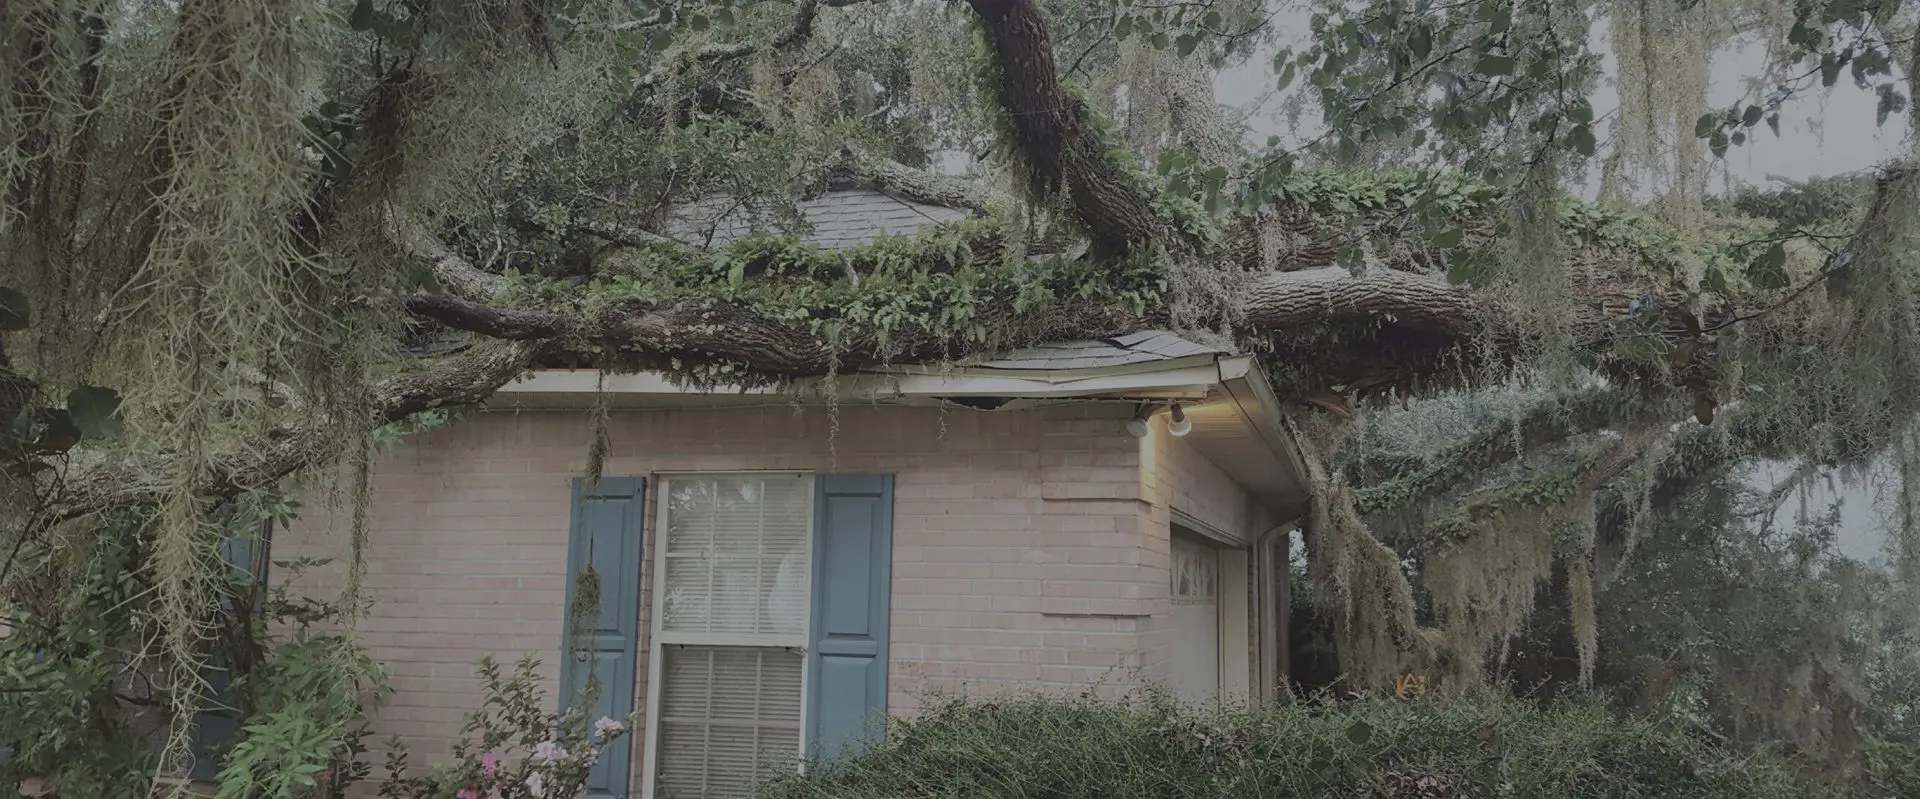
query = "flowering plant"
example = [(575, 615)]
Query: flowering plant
[(511, 748)]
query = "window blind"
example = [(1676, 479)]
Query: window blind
[(736, 557), (729, 717)]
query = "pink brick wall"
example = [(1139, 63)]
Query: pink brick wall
[(1028, 549)]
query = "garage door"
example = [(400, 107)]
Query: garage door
[(1195, 579)]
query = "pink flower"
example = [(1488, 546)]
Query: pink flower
[(488, 762), (548, 750), (466, 793), (607, 728)]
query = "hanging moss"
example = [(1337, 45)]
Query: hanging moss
[(582, 614), (1586, 620)]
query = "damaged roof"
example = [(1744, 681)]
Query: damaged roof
[(838, 219), (1145, 346), (847, 216)]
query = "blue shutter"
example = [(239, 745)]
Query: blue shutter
[(213, 730), (852, 582), (606, 530)]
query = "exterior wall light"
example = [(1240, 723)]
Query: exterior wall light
[(1137, 426), (1180, 425)]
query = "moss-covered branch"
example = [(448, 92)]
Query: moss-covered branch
[(1553, 421), (131, 482)]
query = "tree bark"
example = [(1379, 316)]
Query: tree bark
[(1055, 137)]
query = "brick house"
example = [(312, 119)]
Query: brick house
[(776, 574)]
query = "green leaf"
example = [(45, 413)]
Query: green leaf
[(1359, 733), (1830, 69), (1494, 65), (1703, 127), (1159, 40), (361, 18), (1581, 111), (1716, 280), (1769, 271), (1466, 270), (1773, 121), (1449, 238), (1286, 77), (95, 411), (15, 311), (1891, 102), (1499, 16), (1752, 116), (1188, 42), (1581, 139), (1123, 27), (1420, 41)]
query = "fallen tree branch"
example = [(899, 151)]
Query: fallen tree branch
[(130, 481), (451, 270), (1552, 421), (802, 28), (928, 187)]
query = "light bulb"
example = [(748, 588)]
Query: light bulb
[(1179, 426)]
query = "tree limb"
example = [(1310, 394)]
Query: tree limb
[(802, 28), (1552, 421), (927, 187), (451, 270), (466, 379), (1054, 133)]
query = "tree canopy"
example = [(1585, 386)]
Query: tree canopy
[(219, 220)]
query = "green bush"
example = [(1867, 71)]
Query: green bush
[(1424, 749)]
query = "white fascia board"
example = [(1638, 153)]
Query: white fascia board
[(1179, 378), (1173, 377), (1056, 375)]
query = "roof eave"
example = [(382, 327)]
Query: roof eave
[(1276, 478), (1180, 378)]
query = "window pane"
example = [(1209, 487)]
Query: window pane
[(729, 718), (736, 556), (1196, 570)]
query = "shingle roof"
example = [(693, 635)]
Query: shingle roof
[(839, 219), (1145, 346)]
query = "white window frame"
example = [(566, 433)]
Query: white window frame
[(657, 618)]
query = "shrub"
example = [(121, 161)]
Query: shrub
[(1435, 748), (523, 751)]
